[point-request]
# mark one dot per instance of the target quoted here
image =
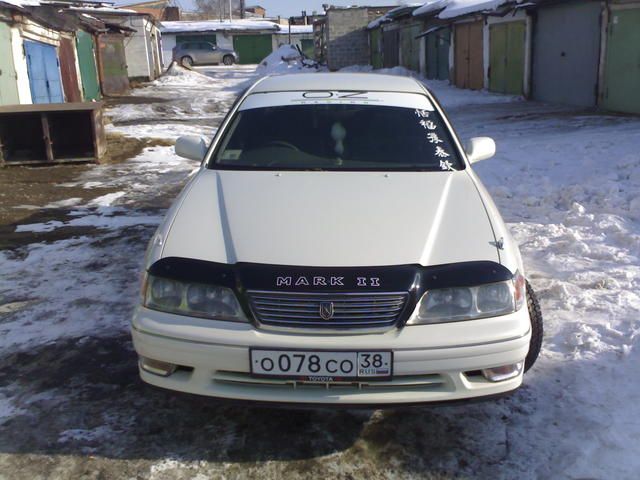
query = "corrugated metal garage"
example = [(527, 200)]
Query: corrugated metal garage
[(375, 43), (44, 74), (410, 47), (437, 52), (622, 65), (469, 55), (506, 57), (252, 49), (8, 77), (566, 52), (390, 48), (87, 61), (113, 64), (68, 70)]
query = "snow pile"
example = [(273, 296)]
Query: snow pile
[(295, 29), (286, 59), (178, 75)]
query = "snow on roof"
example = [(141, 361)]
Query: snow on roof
[(391, 13), (430, 6), (456, 8), (216, 25), (284, 29), (102, 9), (22, 3)]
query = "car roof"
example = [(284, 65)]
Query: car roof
[(338, 81)]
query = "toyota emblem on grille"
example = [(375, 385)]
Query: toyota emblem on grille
[(326, 310)]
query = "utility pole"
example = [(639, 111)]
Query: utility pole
[(290, 21), (230, 11)]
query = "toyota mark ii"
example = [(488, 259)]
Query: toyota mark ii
[(336, 247)]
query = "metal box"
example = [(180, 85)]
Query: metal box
[(51, 133)]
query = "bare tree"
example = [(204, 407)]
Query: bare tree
[(220, 8)]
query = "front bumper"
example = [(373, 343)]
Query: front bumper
[(432, 363)]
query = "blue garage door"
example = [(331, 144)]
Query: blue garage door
[(44, 73)]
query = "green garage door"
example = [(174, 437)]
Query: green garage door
[(506, 54), (376, 48), (410, 47), (308, 47), (622, 65), (437, 51), (252, 49), (85, 47)]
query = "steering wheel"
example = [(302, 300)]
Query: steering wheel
[(282, 143)]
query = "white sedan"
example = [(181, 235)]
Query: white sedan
[(336, 247)]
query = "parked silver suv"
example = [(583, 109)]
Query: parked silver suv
[(203, 53)]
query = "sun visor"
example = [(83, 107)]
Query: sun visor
[(337, 97)]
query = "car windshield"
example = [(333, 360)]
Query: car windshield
[(336, 131)]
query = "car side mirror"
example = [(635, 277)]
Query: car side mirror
[(480, 148), (191, 147)]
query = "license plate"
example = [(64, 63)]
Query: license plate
[(321, 366)]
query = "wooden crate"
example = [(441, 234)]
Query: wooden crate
[(51, 133)]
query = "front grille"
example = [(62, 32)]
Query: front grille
[(399, 384), (350, 310)]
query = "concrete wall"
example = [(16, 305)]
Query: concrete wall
[(347, 39)]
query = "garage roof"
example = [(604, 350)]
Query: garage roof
[(371, 82), (216, 26)]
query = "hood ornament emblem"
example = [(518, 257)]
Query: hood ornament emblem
[(326, 310)]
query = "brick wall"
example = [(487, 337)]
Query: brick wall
[(347, 39)]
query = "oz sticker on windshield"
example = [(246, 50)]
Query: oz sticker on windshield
[(338, 97)]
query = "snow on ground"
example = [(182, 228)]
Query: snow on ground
[(194, 111), (567, 182), (286, 59), (47, 275)]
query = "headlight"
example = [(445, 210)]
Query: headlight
[(470, 303), (193, 299)]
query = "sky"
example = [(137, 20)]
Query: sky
[(287, 8)]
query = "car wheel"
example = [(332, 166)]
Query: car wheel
[(227, 60), (535, 314), (186, 62)]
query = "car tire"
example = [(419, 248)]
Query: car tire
[(537, 330), (186, 62), (228, 60)]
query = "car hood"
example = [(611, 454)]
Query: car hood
[(332, 219)]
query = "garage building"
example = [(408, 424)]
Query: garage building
[(566, 52), (251, 39)]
